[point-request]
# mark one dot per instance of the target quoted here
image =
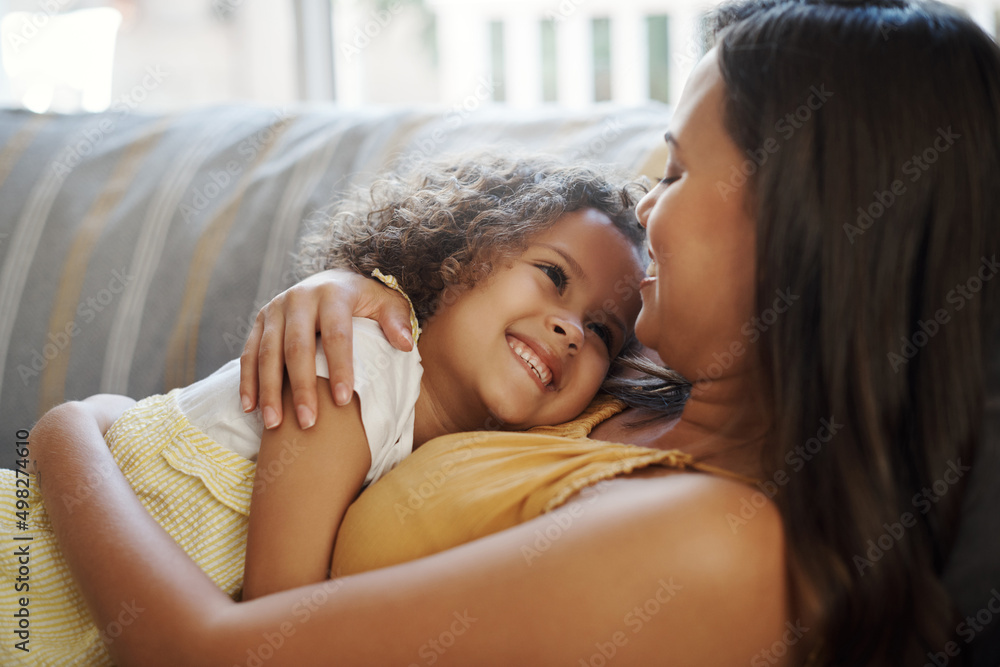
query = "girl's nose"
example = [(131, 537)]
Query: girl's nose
[(569, 331)]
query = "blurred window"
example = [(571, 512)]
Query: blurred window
[(60, 62)]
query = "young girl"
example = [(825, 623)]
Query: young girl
[(522, 274)]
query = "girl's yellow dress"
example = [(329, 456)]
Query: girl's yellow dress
[(451, 490)]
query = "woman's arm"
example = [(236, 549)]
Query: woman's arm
[(644, 572), (304, 483), (284, 334), (111, 538)]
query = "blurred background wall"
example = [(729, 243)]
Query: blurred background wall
[(156, 55)]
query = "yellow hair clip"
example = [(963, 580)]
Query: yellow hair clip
[(391, 282)]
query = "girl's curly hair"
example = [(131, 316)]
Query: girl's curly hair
[(449, 223), (452, 223)]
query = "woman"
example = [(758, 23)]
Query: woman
[(803, 313)]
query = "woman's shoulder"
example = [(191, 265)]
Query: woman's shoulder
[(693, 530), (719, 529), (710, 506)]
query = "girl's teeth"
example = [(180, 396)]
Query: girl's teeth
[(541, 370)]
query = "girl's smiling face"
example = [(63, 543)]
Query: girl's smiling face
[(531, 344)]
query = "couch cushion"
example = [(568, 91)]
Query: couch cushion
[(135, 250)]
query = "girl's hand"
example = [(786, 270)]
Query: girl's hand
[(284, 334)]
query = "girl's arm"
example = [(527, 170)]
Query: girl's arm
[(304, 483), (646, 572), (106, 408), (284, 334)]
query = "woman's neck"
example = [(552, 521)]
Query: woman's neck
[(722, 424)]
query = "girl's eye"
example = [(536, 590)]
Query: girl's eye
[(603, 332), (667, 180), (556, 275)]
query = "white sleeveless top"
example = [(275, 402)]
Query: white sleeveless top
[(386, 380)]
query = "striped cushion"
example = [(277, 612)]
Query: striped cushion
[(135, 250)]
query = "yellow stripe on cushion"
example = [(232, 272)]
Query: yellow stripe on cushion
[(67, 298), (183, 344), (18, 142)]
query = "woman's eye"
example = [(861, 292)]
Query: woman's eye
[(555, 274), (667, 180), (603, 332)]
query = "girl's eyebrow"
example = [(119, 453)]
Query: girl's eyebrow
[(577, 271), (574, 266), (672, 140)]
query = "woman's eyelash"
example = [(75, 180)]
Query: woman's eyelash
[(556, 274), (667, 180)]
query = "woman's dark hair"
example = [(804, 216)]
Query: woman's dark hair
[(872, 133), (446, 224)]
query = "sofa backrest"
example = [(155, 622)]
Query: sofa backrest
[(136, 250)]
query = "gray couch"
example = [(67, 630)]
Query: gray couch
[(135, 251)]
